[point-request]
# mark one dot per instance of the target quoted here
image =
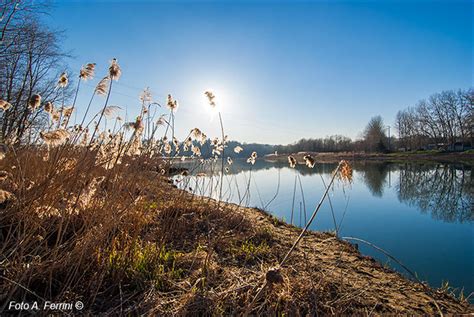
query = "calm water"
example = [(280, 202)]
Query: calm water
[(422, 214)]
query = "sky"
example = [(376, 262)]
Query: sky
[(280, 70)]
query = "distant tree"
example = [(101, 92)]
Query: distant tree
[(333, 143), (374, 135), (444, 117)]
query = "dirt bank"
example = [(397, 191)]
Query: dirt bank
[(323, 275)]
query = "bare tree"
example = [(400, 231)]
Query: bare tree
[(30, 63), (444, 118)]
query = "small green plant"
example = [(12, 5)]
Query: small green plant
[(249, 250), (145, 261)]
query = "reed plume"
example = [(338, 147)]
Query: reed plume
[(34, 102), (6, 197), (145, 95), (252, 158), (114, 70), (55, 137), (87, 72), (210, 97), (171, 103), (292, 161), (103, 86), (309, 161), (63, 80), (49, 107), (4, 105)]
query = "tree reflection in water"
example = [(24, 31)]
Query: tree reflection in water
[(444, 190)]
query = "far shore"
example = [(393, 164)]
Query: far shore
[(438, 156)]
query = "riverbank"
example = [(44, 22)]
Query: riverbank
[(438, 156), (135, 244), (324, 274)]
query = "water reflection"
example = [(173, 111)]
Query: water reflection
[(444, 190), (375, 175), (385, 205)]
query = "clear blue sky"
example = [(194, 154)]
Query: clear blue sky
[(282, 70)]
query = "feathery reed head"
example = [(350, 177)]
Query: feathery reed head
[(67, 111), (114, 70), (4, 175), (175, 142), (310, 162), (63, 80), (55, 137), (345, 171), (196, 150), (87, 71), (6, 197), (49, 107), (196, 133), (203, 139), (103, 86), (171, 103), (252, 158), (34, 102), (167, 148), (292, 161), (161, 120), (210, 97), (110, 111), (137, 125), (145, 95), (55, 115), (4, 105)]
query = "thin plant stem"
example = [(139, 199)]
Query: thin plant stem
[(222, 156), (332, 209), (74, 103), (293, 204), (312, 217), (102, 112)]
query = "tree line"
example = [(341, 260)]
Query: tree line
[(443, 119)]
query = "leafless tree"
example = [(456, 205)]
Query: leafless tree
[(445, 117), (30, 63)]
